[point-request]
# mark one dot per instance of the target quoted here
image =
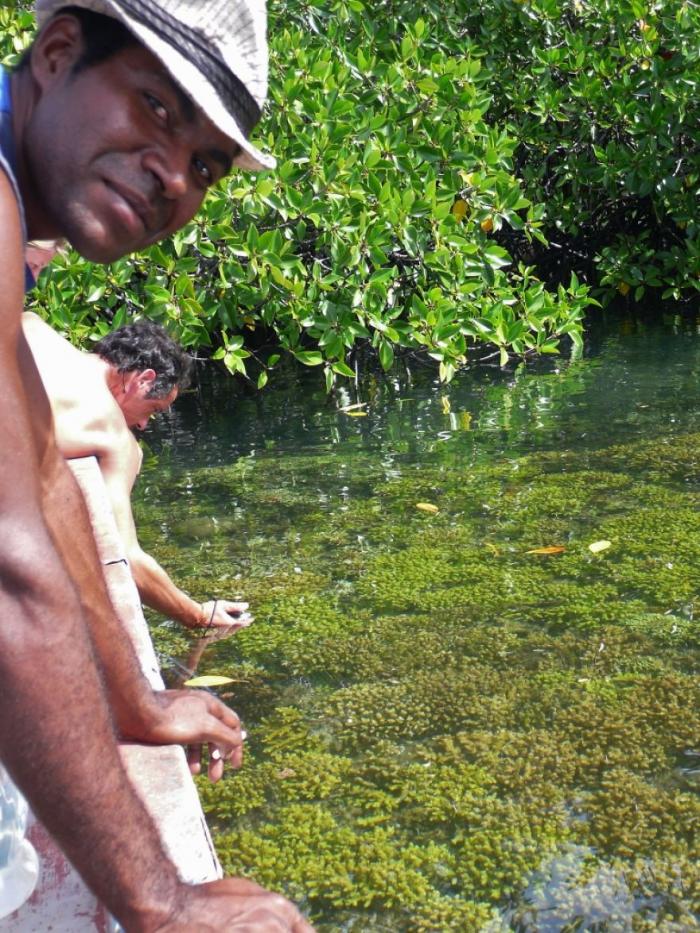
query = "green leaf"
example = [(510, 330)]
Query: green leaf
[(386, 354), (309, 357), (208, 680), (343, 370)]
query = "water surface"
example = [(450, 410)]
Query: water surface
[(452, 728)]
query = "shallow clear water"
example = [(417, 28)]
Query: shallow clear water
[(461, 717)]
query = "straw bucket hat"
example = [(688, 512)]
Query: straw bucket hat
[(216, 50)]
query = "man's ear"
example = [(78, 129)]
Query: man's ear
[(147, 377), (56, 49), (135, 382)]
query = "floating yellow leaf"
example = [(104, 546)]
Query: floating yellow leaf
[(549, 549), (427, 507), (599, 546), (445, 402), (356, 414), (459, 209), (208, 680)]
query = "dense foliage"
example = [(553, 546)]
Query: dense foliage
[(448, 179), (603, 98)]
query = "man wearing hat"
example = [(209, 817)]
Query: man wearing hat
[(111, 130)]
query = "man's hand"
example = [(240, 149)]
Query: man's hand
[(236, 906), (194, 717), (225, 614)]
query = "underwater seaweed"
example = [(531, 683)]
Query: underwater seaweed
[(446, 731)]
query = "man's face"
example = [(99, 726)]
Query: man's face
[(118, 156), (133, 399)]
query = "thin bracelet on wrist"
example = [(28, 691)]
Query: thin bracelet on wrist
[(211, 617)]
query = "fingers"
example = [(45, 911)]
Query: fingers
[(194, 758), (216, 764), (196, 716), (218, 755), (225, 750), (287, 915), (222, 620), (233, 615), (222, 612), (233, 608), (236, 757), (227, 717), (237, 887), (237, 904), (241, 621), (270, 912)]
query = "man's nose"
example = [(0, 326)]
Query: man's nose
[(169, 168), (141, 425)]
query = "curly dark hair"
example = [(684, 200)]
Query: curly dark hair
[(145, 345)]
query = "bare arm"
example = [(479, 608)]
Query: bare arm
[(56, 734), (120, 464)]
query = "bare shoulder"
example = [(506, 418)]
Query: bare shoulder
[(40, 335)]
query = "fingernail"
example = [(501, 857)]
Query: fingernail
[(216, 754)]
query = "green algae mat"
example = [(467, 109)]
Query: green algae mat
[(472, 690)]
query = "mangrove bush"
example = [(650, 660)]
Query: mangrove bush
[(464, 177)]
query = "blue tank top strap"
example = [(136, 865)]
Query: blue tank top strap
[(5, 100), (8, 159)]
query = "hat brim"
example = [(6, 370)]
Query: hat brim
[(181, 69)]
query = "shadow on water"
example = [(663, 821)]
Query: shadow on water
[(460, 715)]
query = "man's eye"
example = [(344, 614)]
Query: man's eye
[(202, 170), (160, 110)]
